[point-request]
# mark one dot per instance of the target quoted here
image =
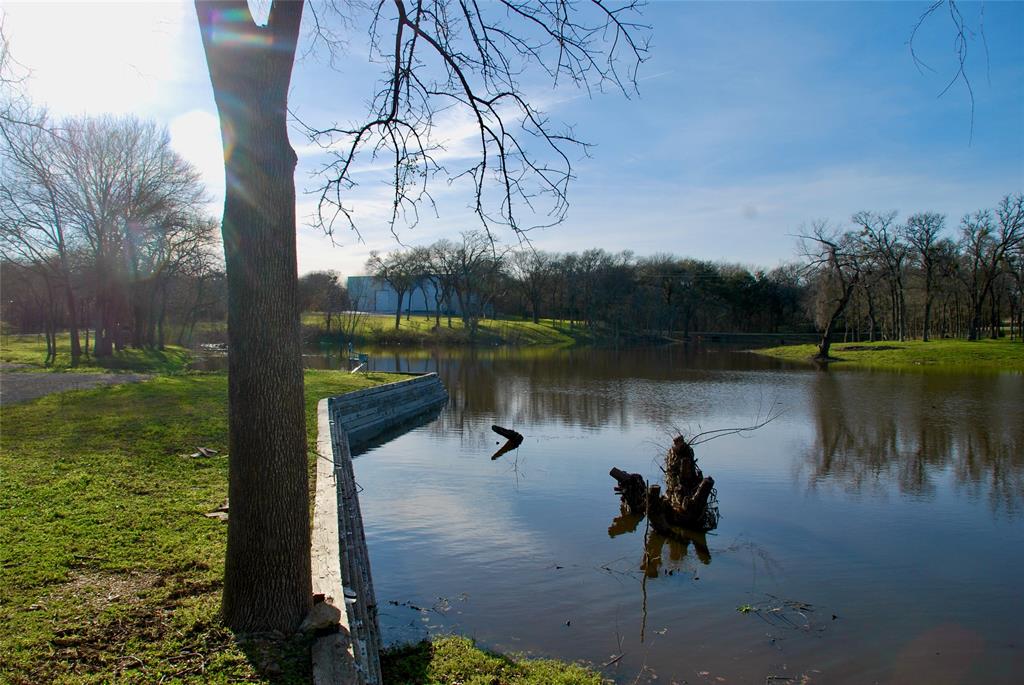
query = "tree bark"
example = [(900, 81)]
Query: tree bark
[(72, 306), (267, 583), (825, 344), (398, 310)]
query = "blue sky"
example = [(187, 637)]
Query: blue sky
[(752, 120)]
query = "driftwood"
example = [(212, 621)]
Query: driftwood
[(508, 434), (632, 488), (514, 440), (686, 501)]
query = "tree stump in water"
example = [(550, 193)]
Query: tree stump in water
[(685, 503)]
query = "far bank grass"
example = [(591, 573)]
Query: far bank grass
[(110, 573), (419, 329), (30, 350), (951, 354)]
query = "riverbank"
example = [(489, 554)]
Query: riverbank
[(109, 569), (379, 329), (418, 330), (951, 354)]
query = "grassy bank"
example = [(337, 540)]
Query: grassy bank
[(109, 572), (379, 329), (953, 354), (457, 661), (30, 351)]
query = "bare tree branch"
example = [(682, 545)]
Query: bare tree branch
[(461, 56)]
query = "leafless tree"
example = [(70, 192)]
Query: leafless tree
[(986, 240), (835, 258), (441, 274), (923, 231), (438, 54), (133, 202), (398, 271), (882, 240), (33, 222), (320, 291), (475, 265), (532, 271)]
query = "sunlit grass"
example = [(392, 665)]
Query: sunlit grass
[(108, 568), (962, 354), (30, 350), (109, 572), (420, 329), (457, 661)]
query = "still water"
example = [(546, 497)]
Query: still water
[(874, 532)]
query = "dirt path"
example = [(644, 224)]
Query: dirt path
[(20, 387)]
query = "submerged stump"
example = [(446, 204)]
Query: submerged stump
[(687, 500)]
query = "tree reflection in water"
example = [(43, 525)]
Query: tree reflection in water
[(872, 433), (654, 557)]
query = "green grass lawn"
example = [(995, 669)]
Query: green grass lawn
[(954, 354), (30, 350), (109, 572)]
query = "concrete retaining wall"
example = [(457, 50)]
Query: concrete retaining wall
[(341, 563)]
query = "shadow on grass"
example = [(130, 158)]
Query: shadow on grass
[(407, 664), (276, 659)]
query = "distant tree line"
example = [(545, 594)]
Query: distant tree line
[(615, 294), (882, 279), (102, 231), (878, 279)]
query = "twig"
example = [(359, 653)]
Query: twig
[(613, 660)]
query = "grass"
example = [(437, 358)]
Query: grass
[(108, 569), (419, 329), (457, 661), (30, 350), (948, 354), (110, 573)]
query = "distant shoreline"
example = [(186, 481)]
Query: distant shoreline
[(1000, 354)]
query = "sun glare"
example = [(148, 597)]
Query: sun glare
[(90, 58)]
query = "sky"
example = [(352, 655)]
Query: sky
[(752, 120)]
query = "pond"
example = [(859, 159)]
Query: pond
[(871, 533)]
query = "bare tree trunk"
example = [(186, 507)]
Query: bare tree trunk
[(72, 307), (103, 346), (398, 309), (267, 583), (926, 329), (994, 306), (162, 317), (825, 342)]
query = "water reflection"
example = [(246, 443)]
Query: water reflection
[(847, 503), (654, 555), (874, 431)]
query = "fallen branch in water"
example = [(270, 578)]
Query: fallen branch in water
[(514, 440)]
